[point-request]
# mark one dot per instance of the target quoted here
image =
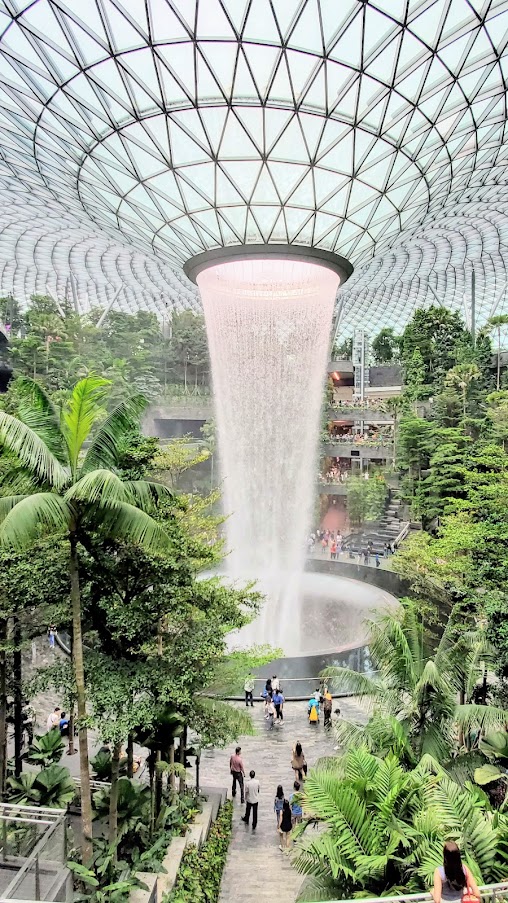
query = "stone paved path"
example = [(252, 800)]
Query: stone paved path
[(256, 870)]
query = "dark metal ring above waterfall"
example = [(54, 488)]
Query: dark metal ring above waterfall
[(335, 262)]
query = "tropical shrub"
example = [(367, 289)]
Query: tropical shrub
[(383, 827), (101, 765), (133, 805), (51, 788), (415, 690), (46, 749), (200, 874)]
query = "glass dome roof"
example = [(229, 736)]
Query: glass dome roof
[(152, 130)]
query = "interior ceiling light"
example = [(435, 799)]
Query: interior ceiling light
[(136, 134)]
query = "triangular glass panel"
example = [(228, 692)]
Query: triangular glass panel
[(266, 218), (291, 146), (312, 129), (207, 219), (236, 217), (179, 58), (243, 173), (225, 192), (228, 236), (337, 204), (347, 105), (348, 47), (426, 26), (236, 10), (236, 142), (411, 52), (383, 65), (265, 191), (262, 63), (315, 96), (303, 195), (280, 88), (221, 57), (124, 35), (212, 21), (337, 77), (252, 119), (193, 199), (295, 220), (286, 177), (213, 119), (377, 29), (376, 175), (165, 25), (202, 177), (340, 157), (286, 13), (306, 34), (253, 233), (279, 231), (244, 86), (86, 49), (261, 25)]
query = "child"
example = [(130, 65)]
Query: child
[(278, 804)]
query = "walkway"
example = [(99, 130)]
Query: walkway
[(256, 870)]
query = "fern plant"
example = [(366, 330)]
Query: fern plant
[(383, 827)]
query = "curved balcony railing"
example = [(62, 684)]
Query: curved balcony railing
[(489, 893)]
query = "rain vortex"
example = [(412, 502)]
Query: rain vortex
[(268, 325)]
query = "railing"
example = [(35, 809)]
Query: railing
[(490, 893), (33, 850)]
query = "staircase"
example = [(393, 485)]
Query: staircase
[(385, 530)]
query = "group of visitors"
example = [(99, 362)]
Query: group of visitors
[(274, 702), (58, 720), (335, 474), (320, 699), (327, 540), (288, 810), (354, 403)]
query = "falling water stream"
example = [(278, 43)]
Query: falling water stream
[(268, 325)]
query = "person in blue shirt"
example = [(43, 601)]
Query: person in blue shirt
[(278, 701), (296, 805), (313, 704), (64, 725)]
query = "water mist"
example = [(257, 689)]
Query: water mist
[(268, 324)]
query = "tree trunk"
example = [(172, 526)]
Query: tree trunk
[(113, 796), (183, 746), (158, 784), (18, 697), (130, 756), (3, 707), (70, 748), (79, 675)]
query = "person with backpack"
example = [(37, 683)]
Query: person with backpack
[(313, 708)]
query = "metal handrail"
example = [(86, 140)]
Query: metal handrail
[(32, 859), (487, 892)]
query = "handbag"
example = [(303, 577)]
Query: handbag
[(468, 896)]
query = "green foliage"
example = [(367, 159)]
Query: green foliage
[(385, 346), (436, 333), (133, 805), (102, 763), (414, 690), (366, 498), (51, 788), (46, 749), (383, 827), (200, 874)]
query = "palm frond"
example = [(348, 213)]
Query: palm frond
[(147, 493), (392, 651), (484, 718), (7, 503), (345, 680), (37, 411), (32, 451), (102, 486), (103, 451), (127, 522), (43, 511), (80, 413)]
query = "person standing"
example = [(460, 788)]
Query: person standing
[(286, 826), (378, 560), (278, 701), (275, 683), (296, 804), (298, 763), (278, 803), (251, 799), (327, 708), (270, 713), (249, 689), (453, 879), (333, 551), (237, 771), (53, 719), (51, 636)]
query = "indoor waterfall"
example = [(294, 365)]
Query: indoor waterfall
[(268, 324)]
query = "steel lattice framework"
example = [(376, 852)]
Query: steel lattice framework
[(137, 133)]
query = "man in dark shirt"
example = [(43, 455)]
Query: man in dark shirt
[(237, 771)]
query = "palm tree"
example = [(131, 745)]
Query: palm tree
[(461, 376), (497, 323), (383, 827), (73, 493), (419, 695)]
